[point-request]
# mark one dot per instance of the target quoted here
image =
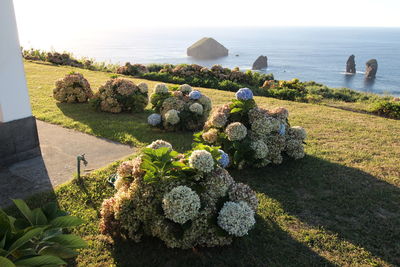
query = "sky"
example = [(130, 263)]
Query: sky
[(34, 16)]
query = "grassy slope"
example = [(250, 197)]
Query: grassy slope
[(339, 205)]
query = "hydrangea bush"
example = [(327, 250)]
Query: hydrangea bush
[(180, 109), (252, 136), (186, 200), (73, 88), (119, 95)]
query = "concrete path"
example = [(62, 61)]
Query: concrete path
[(60, 147)]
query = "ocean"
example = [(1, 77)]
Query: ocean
[(317, 54)]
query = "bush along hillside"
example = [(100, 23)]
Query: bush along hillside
[(118, 95), (73, 88), (226, 79), (296, 90), (180, 109), (67, 59), (389, 109), (252, 136), (215, 77), (186, 200)]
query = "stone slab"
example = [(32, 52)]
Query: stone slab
[(18, 141)]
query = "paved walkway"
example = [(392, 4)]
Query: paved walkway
[(60, 147)]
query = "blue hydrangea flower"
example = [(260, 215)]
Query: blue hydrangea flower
[(244, 94), (154, 119), (282, 129), (224, 160), (195, 95)]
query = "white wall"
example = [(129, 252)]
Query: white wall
[(14, 98)]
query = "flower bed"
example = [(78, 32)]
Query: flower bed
[(186, 200), (73, 88), (252, 136), (118, 95), (182, 109), (214, 77), (133, 70), (63, 59)]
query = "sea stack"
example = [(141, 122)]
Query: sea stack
[(371, 67), (260, 63), (351, 65), (207, 48)]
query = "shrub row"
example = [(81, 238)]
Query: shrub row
[(296, 90), (225, 79), (389, 109), (115, 96), (67, 59)]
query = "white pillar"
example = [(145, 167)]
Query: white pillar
[(14, 98)]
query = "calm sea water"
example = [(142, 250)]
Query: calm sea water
[(318, 54)]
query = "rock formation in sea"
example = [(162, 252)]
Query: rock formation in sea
[(371, 67), (207, 48), (260, 63), (351, 65)]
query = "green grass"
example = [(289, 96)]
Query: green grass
[(340, 205)]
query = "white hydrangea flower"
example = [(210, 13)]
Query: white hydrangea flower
[(237, 218), (218, 120), (119, 183), (185, 88), (260, 149), (243, 192), (159, 143), (196, 108), (172, 117), (206, 102), (181, 204), (161, 88), (236, 131), (143, 87), (295, 149), (298, 132), (263, 125), (201, 160)]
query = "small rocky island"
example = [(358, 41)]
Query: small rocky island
[(207, 48), (351, 65), (371, 67), (260, 63)]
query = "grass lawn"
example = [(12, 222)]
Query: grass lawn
[(340, 205)]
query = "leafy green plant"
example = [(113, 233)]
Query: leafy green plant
[(240, 109), (389, 109), (135, 102), (227, 85), (160, 164), (157, 76), (37, 238), (155, 67), (157, 100), (214, 150)]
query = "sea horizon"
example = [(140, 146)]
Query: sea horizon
[(307, 53)]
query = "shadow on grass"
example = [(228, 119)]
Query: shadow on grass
[(357, 206), (267, 245), (126, 128)]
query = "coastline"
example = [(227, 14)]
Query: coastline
[(307, 53)]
